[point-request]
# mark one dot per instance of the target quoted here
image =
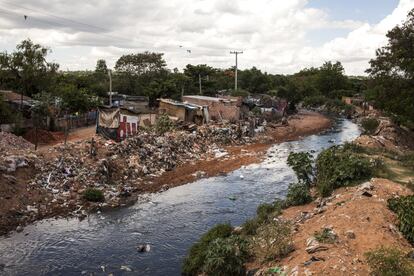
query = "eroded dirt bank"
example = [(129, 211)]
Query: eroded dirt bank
[(51, 182), (360, 222)]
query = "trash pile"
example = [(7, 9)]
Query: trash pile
[(10, 142), (117, 170)]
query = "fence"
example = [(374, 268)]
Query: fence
[(76, 121)]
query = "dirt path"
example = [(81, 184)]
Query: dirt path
[(78, 134)]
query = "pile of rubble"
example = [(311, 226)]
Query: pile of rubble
[(11, 142), (120, 167), (389, 136)]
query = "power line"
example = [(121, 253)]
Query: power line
[(58, 17)]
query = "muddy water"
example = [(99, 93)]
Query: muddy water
[(170, 222)]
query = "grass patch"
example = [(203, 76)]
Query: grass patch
[(389, 262), (93, 195), (325, 236)]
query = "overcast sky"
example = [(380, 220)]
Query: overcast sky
[(277, 36)]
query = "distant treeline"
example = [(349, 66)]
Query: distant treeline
[(389, 84)]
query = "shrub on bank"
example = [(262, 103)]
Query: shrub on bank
[(389, 262), (226, 256), (273, 241), (301, 163), (94, 195), (404, 208), (369, 125), (266, 211), (337, 167), (298, 194), (194, 261)]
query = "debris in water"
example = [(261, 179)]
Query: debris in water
[(144, 248), (126, 268)]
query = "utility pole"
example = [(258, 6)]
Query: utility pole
[(236, 53), (110, 87)]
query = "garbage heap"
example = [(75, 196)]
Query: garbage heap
[(119, 168)]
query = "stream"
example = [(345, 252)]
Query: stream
[(170, 222)]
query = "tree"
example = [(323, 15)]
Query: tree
[(101, 67), (391, 83), (28, 68), (330, 78), (141, 63)]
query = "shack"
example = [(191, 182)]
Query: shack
[(218, 108), (186, 112), (130, 102), (119, 123)]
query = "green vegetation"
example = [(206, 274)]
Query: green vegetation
[(404, 208), (273, 241), (301, 163), (94, 195), (389, 262), (338, 166), (325, 236), (391, 74), (369, 125), (163, 124), (298, 194), (226, 256), (266, 212), (194, 262)]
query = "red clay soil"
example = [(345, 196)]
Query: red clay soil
[(305, 123), (43, 136), (368, 217)]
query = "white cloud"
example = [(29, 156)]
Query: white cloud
[(272, 33)]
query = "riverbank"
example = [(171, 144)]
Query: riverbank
[(51, 183), (333, 226), (303, 124)]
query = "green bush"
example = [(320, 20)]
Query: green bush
[(226, 256), (298, 194), (93, 195), (266, 212), (404, 208), (194, 261), (301, 163), (250, 227), (389, 262), (163, 124), (337, 167), (273, 241), (369, 125)]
